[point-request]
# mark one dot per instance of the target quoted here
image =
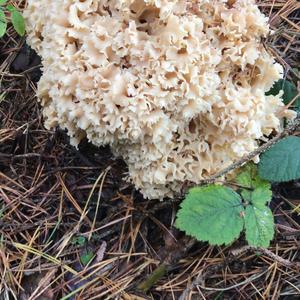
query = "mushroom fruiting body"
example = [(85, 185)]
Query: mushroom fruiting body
[(177, 88)]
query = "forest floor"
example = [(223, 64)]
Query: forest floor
[(72, 228)]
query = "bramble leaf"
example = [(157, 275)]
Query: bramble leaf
[(3, 23), (18, 22), (259, 226), (2, 2), (212, 213), (282, 161), (253, 189)]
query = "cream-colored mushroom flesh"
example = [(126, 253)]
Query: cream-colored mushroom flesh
[(177, 88)]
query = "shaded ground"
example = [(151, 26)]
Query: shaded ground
[(60, 206)]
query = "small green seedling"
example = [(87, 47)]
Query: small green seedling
[(78, 241), (9, 12)]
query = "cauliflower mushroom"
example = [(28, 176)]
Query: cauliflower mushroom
[(175, 87)]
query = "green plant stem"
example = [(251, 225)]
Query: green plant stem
[(157, 274)]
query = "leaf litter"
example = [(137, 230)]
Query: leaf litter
[(45, 183)]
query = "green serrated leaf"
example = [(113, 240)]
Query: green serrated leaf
[(86, 257), (259, 226), (253, 189), (18, 22), (289, 92), (282, 161), (2, 2), (3, 23), (212, 213)]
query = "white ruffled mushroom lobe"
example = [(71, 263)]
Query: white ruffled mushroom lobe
[(177, 88)]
